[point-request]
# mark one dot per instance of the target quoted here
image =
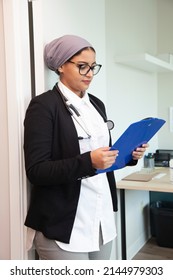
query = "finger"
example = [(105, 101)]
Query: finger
[(139, 149), (145, 145), (137, 154), (104, 149), (113, 153), (110, 159)]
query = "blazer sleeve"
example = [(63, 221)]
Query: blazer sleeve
[(41, 167)]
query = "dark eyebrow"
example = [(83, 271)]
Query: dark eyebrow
[(84, 62)]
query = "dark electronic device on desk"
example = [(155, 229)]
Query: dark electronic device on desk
[(162, 157)]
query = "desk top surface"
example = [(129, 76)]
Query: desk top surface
[(159, 183)]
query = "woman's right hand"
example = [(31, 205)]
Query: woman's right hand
[(103, 158)]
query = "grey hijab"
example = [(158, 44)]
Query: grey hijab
[(58, 51)]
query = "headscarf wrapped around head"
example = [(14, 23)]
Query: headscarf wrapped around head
[(60, 50)]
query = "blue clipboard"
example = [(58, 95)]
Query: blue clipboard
[(134, 136)]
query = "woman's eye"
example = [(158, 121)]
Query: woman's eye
[(83, 66)]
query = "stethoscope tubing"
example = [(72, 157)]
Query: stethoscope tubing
[(72, 109), (110, 123)]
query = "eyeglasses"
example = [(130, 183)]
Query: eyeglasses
[(84, 68)]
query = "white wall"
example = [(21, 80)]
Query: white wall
[(131, 28), (165, 81), (132, 94), (82, 19)]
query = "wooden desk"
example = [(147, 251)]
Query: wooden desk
[(157, 184)]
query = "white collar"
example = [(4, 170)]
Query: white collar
[(72, 97)]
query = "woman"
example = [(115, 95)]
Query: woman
[(66, 139)]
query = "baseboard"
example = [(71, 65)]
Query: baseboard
[(134, 248)]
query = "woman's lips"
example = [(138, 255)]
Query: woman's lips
[(87, 82)]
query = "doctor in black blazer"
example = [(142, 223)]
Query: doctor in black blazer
[(71, 211)]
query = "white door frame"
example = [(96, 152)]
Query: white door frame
[(17, 60)]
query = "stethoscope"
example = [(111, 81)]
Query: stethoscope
[(110, 123), (76, 115)]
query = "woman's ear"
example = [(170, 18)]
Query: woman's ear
[(60, 69)]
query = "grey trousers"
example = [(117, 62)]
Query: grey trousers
[(48, 249)]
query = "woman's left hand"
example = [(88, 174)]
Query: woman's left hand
[(139, 152)]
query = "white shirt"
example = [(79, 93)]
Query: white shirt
[(95, 203)]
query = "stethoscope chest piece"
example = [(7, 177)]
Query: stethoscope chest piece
[(110, 124)]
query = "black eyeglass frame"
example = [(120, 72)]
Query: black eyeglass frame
[(79, 66)]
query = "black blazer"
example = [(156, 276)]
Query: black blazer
[(54, 165)]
